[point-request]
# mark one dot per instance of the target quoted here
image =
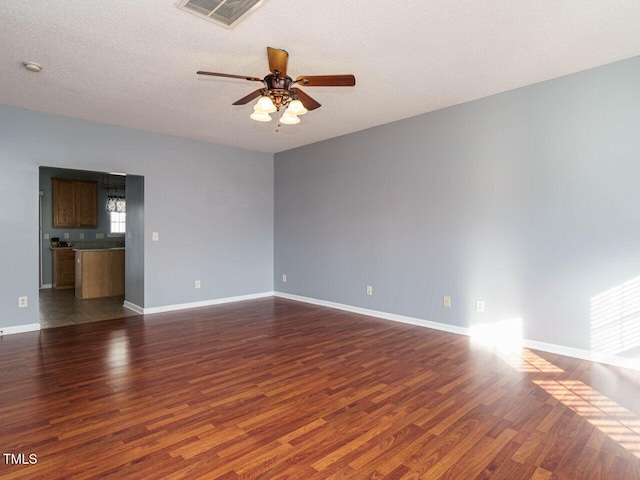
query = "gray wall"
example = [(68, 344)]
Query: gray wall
[(527, 200), (211, 205), (46, 187), (134, 241)]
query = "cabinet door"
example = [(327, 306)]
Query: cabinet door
[(64, 274), (116, 286), (64, 203), (86, 204)]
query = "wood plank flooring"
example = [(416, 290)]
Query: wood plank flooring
[(276, 389)]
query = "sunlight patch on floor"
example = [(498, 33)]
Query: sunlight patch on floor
[(615, 316), (504, 335), (609, 417), (504, 338), (528, 362)]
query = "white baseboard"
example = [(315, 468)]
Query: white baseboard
[(377, 314), (616, 361), (204, 303), (133, 307), (30, 327)]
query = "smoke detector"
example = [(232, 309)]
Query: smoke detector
[(227, 13), (32, 66)]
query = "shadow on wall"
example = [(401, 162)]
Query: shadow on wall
[(615, 321)]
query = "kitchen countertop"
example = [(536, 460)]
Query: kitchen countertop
[(86, 249), (81, 249), (90, 245)]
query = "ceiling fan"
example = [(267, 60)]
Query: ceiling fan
[(278, 89)]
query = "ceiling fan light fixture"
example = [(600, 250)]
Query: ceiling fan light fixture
[(279, 91), (265, 105), (296, 108), (289, 119), (260, 116)]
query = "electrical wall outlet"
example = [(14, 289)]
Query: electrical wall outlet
[(46, 236), (129, 234), (82, 236), (154, 237), (446, 301), (197, 283), (480, 306), (369, 290), (99, 235), (22, 302), (66, 235), (284, 278)]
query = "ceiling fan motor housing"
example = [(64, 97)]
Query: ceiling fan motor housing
[(278, 88)]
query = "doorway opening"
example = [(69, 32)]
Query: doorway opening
[(90, 270)]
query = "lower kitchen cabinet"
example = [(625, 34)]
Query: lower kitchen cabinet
[(63, 269), (99, 273)]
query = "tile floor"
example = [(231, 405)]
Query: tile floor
[(61, 307)]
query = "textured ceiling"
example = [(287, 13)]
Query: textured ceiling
[(132, 63)]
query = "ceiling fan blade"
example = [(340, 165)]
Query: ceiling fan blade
[(228, 75), (327, 80), (277, 60), (308, 102), (248, 98)]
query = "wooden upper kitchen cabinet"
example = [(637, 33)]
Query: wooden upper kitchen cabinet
[(64, 202), (86, 204), (75, 203)]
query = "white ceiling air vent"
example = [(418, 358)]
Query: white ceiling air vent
[(227, 13)]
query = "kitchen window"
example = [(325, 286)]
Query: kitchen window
[(118, 222)]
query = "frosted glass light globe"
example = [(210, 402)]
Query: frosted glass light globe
[(260, 116), (265, 105), (296, 108)]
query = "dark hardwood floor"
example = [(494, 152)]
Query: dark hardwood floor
[(273, 388)]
